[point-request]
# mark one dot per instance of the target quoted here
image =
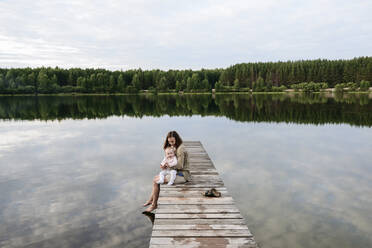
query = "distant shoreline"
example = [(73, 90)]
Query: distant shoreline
[(287, 91)]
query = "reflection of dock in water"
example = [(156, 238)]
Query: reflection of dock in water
[(186, 218)]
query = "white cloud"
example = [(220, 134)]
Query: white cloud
[(179, 34)]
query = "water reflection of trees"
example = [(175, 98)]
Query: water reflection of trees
[(298, 108)]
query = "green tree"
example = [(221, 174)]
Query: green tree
[(218, 86), (195, 81), (189, 84), (54, 84), (121, 83), (236, 84), (2, 83), (259, 85), (178, 86), (162, 84), (82, 84), (224, 78), (31, 79), (206, 85), (112, 84), (364, 85), (136, 82), (43, 82)]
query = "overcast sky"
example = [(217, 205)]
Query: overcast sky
[(175, 34)]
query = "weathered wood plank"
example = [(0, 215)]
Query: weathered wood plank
[(201, 172), (184, 194), (180, 200), (197, 209), (199, 185), (204, 246), (200, 216), (201, 206), (190, 189), (200, 227), (201, 241), (203, 233), (198, 221)]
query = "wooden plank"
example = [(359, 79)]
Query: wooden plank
[(210, 221), (185, 190), (206, 177), (201, 172), (179, 200), (200, 216), (205, 181), (201, 206), (200, 227), (190, 194), (221, 245), (195, 200), (204, 233), (204, 168), (189, 189), (199, 185), (200, 241), (198, 209), (199, 156)]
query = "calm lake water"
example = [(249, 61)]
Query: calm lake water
[(74, 171)]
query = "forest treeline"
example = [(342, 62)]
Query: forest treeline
[(354, 109), (268, 76)]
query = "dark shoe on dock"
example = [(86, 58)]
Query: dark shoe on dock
[(215, 192), (212, 193)]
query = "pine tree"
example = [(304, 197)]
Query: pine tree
[(136, 82), (121, 83), (43, 82)]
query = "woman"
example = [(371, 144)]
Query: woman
[(183, 174)]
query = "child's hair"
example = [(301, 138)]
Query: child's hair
[(176, 136)]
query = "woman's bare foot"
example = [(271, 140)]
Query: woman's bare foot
[(151, 208), (147, 203)]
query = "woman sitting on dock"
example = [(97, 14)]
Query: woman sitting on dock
[(183, 175)]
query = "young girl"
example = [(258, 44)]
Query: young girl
[(170, 161)]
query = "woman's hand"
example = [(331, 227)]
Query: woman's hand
[(163, 167)]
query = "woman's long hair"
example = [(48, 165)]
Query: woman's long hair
[(175, 135)]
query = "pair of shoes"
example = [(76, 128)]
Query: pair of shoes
[(212, 193)]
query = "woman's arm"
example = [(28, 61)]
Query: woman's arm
[(180, 157)]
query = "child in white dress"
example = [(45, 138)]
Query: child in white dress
[(170, 160)]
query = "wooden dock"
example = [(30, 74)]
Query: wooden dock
[(186, 218)]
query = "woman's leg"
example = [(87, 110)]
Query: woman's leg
[(151, 199), (154, 194)]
